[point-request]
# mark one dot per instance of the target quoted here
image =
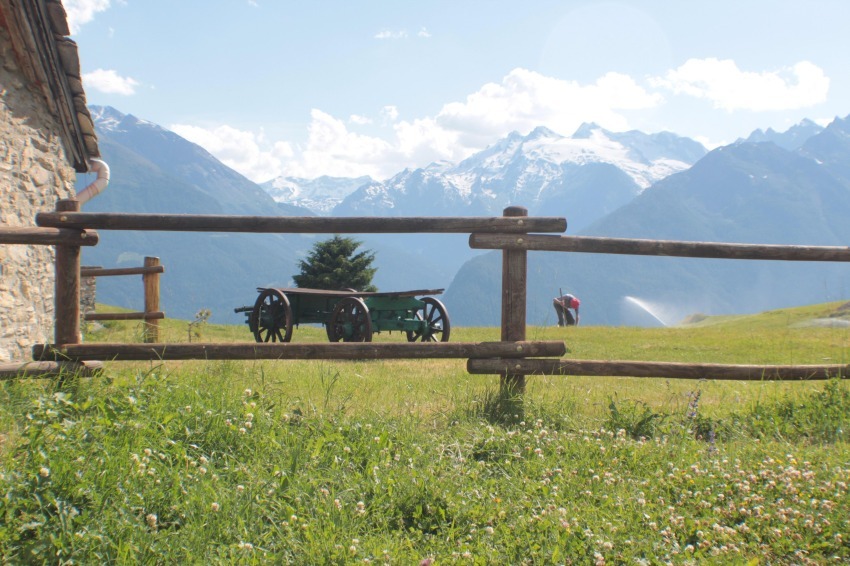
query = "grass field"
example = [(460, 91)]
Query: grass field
[(401, 461)]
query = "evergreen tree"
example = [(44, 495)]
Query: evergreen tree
[(332, 264)]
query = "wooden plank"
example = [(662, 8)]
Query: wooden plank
[(48, 236), (298, 224), (598, 245), (106, 272), (307, 292), (155, 315), (50, 369), (290, 351), (667, 370)]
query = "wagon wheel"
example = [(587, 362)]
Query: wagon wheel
[(350, 321), (272, 317), (437, 318)]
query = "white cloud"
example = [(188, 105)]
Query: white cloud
[(332, 150), (389, 113), (730, 88), (391, 34), (110, 82), (522, 101), (526, 99), (423, 33), (83, 11), (246, 152), (359, 120)]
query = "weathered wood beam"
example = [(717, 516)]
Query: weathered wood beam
[(298, 224), (290, 351), (598, 245), (667, 370), (153, 315), (105, 272), (48, 236), (66, 296)]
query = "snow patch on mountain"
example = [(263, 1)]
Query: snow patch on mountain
[(319, 195)]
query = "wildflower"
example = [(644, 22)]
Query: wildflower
[(215, 506), (240, 488), (151, 520), (246, 546), (148, 452), (242, 430), (247, 393), (44, 472)]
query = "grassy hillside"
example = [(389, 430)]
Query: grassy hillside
[(398, 462)]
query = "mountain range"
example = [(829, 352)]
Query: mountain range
[(772, 187), (745, 192), (154, 170)]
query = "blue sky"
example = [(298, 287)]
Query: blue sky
[(369, 87)]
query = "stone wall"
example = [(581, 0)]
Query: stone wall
[(34, 174)]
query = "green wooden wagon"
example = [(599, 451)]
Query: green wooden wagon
[(348, 316)]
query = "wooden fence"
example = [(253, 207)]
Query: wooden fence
[(515, 233), (151, 316)]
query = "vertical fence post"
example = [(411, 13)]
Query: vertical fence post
[(151, 281), (67, 285), (514, 276)]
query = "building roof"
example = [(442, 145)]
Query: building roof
[(39, 32)]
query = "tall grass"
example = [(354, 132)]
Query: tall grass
[(398, 462)]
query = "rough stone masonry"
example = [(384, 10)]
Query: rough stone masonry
[(34, 174)]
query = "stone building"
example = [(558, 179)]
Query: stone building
[(46, 137)]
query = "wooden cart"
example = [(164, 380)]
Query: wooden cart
[(348, 316)]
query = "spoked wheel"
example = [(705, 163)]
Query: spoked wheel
[(350, 321), (272, 317), (436, 322)]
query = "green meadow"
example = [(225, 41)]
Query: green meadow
[(408, 461)]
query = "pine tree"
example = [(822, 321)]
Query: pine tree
[(332, 264)]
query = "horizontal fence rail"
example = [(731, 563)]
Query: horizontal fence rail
[(48, 237), (599, 245), (298, 224), (105, 272), (155, 315), (290, 351), (669, 370)]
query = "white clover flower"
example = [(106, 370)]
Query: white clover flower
[(151, 520), (247, 393), (215, 506), (44, 472)]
